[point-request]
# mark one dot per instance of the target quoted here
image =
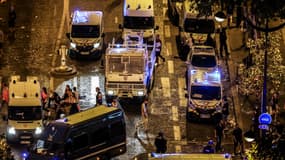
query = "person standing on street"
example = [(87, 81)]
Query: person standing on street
[(223, 43), (144, 118), (158, 47), (219, 132), (238, 141), (99, 97), (2, 38), (5, 101), (12, 18), (160, 143)]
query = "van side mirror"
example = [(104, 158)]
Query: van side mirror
[(156, 27), (103, 35), (186, 95), (68, 35), (120, 26)]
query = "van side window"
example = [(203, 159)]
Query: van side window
[(80, 141), (117, 129), (100, 136)]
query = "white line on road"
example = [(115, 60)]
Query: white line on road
[(178, 149), (177, 136), (175, 116), (164, 2), (181, 92), (170, 66), (165, 86), (168, 48), (167, 31)]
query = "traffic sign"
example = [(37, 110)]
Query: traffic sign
[(263, 127), (265, 118)]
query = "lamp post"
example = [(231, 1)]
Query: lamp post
[(220, 16)]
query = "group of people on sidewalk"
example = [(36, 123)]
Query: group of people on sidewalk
[(52, 101)]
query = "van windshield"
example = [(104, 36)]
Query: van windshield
[(201, 60), (85, 31), (25, 113), (55, 133), (138, 22), (199, 25), (206, 92)]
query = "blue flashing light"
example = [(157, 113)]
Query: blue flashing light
[(118, 46), (65, 119), (24, 155), (227, 155), (80, 17), (193, 71)]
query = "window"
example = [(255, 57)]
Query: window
[(80, 141), (100, 136), (117, 129)]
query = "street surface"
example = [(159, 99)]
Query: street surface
[(40, 30)]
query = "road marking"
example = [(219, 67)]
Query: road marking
[(181, 92), (165, 17), (54, 11), (177, 136), (165, 86), (175, 115), (59, 35), (170, 67), (168, 49), (116, 19), (164, 2), (167, 31), (178, 149)]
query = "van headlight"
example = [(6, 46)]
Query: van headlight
[(96, 45), (110, 92), (140, 93), (73, 45), (12, 130), (38, 130)]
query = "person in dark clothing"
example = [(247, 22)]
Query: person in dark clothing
[(158, 47), (238, 140), (223, 43), (11, 17), (210, 41), (160, 143), (99, 97), (219, 132), (209, 147), (225, 109)]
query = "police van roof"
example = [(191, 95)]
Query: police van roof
[(191, 10), (87, 17), (183, 156), (24, 93), (138, 8), (86, 115), (204, 77)]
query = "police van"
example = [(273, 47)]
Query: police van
[(25, 112), (183, 156), (138, 18), (86, 34), (99, 132)]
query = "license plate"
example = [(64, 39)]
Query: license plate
[(25, 142), (205, 116), (84, 53), (25, 137)]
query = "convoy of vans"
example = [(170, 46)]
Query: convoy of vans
[(100, 132)]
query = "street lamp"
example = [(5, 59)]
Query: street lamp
[(249, 136), (220, 16)]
